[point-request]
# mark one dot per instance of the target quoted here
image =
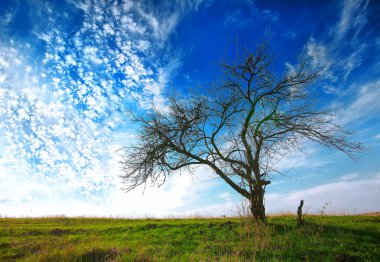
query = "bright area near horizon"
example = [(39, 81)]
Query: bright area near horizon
[(69, 70)]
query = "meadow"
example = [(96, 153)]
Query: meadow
[(321, 238)]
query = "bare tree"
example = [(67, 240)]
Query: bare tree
[(239, 129)]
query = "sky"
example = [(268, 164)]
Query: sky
[(71, 69)]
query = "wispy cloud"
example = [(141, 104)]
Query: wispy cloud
[(352, 19), (342, 49), (364, 106), (163, 18), (296, 159), (238, 17), (6, 18), (349, 176)]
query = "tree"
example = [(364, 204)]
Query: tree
[(247, 121)]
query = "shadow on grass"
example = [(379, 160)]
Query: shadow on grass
[(97, 254)]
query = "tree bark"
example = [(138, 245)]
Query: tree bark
[(257, 207)]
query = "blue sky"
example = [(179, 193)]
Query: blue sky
[(69, 70)]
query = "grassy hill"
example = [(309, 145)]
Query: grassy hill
[(322, 238)]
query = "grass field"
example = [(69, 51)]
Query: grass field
[(322, 238)]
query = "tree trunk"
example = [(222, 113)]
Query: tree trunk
[(258, 211), (257, 207)]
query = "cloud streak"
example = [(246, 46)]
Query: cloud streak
[(342, 49)]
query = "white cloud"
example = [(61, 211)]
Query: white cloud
[(3, 63), (129, 24), (70, 60), (143, 45), (44, 36), (2, 78), (54, 121), (365, 104), (349, 176), (42, 130), (336, 55), (350, 196), (353, 16), (35, 199), (296, 159), (320, 57), (162, 19), (90, 53), (108, 29), (6, 18)]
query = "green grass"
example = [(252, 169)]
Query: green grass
[(322, 238)]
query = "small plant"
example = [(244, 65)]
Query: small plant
[(307, 208), (323, 210)]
